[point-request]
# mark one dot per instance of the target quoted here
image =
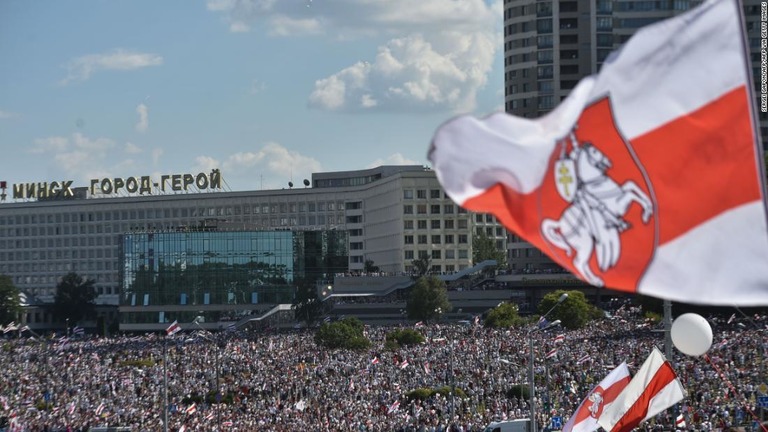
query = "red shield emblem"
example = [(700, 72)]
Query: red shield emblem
[(607, 233)]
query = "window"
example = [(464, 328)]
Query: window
[(544, 41), (544, 25), (450, 254), (463, 254), (407, 194), (449, 224), (462, 224), (448, 209), (434, 209), (421, 209), (436, 239), (422, 239), (463, 239), (544, 56), (408, 224), (449, 238), (436, 254), (434, 193), (409, 254), (408, 239), (421, 194), (422, 224), (435, 224), (407, 209)]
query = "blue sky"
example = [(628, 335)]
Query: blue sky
[(265, 90)]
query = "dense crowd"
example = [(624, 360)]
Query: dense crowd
[(282, 381)]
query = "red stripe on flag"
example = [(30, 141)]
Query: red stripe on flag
[(635, 414), (609, 395), (701, 164)]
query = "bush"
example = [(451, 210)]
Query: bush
[(345, 334), (446, 391), (419, 394), (503, 316), (516, 390), (404, 337), (138, 363)]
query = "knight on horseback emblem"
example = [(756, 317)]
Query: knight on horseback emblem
[(594, 219)]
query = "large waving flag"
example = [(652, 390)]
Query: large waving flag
[(584, 419), (653, 389), (647, 178)]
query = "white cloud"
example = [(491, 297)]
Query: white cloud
[(257, 87), (7, 114), (143, 124), (81, 68), (156, 155), (132, 148), (270, 166), (439, 54), (413, 73), (54, 144), (393, 159)]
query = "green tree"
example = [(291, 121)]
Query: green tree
[(574, 313), (345, 334), (504, 315), (484, 248), (405, 337), (428, 299), (306, 306), (10, 300), (421, 267), (369, 266), (74, 298)]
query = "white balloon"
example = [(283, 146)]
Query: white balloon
[(691, 334)]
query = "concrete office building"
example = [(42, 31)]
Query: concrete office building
[(549, 45), (393, 215)]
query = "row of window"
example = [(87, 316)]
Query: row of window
[(436, 239), (48, 254), (438, 269), (422, 194), (56, 242), (167, 213), (433, 209), (436, 254)]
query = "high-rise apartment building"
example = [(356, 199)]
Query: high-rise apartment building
[(549, 45)]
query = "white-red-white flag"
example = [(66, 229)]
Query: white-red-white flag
[(584, 419), (653, 389), (394, 407), (173, 328), (404, 364), (680, 421), (560, 338), (647, 178), (427, 369), (551, 353), (191, 409)]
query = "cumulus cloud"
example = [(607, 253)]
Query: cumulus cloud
[(132, 148), (78, 156), (82, 68), (438, 57), (143, 123), (270, 166), (393, 159)]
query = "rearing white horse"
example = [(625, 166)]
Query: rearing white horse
[(595, 218)]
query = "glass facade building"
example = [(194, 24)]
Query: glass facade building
[(220, 275)]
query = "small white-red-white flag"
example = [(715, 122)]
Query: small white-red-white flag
[(560, 338), (552, 353), (183, 428), (173, 328), (427, 369), (680, 421), (191, 409), (375, 360), (583, 359), (653, 389), (404, 364), (584, 419), (394, 407)]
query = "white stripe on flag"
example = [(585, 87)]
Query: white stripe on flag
[(654, 388)]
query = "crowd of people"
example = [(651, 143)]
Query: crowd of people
[(282, 381)]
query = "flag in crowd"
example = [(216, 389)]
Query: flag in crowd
[(404, 364), (78, 331), (375, 360), (653, 389), (634, 155), (733, 317), (191, 409), (173, 328), (552, 353), (560, 338), (583, 359), (680, 421), (427, 368), (394, 407), (99, 409), (584, 419)]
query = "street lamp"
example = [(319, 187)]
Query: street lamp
[(532, 395)]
